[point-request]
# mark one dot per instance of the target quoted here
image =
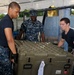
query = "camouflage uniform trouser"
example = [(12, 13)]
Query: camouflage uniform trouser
[(5, 64)]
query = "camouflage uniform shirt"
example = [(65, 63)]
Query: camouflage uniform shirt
[(32, 29)]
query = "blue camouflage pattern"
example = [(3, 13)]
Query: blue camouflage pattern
[(5, 64), (32, 29)]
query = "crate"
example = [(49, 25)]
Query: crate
[(57, 61)]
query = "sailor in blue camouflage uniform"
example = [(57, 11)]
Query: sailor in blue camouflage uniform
[(7, 43), (32, 27)]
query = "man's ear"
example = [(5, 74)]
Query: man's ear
[(10, 9), (68, 24)]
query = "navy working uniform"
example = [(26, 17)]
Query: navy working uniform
[(5, 64), (32, 29)]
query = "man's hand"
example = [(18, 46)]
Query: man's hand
[(61, 42), (42, 37), (14, 58)]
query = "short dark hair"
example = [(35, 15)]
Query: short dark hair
[(66, 20), (14, 4)]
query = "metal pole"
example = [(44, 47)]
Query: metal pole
[(56, 8)]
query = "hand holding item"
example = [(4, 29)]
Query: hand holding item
[(14, 58)]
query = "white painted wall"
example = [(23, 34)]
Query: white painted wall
[(17, 23)]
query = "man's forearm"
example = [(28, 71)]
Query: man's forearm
[(61, 42), (11, 45), (43, 37), (19, 35)]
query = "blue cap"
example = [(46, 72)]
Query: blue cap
[(33, 13)]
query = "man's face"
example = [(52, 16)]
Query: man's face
[(33, 18), (15, 12), (63, 25)]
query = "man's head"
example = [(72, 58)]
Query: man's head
[(33, 15), (64, 23), (13, 9)]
